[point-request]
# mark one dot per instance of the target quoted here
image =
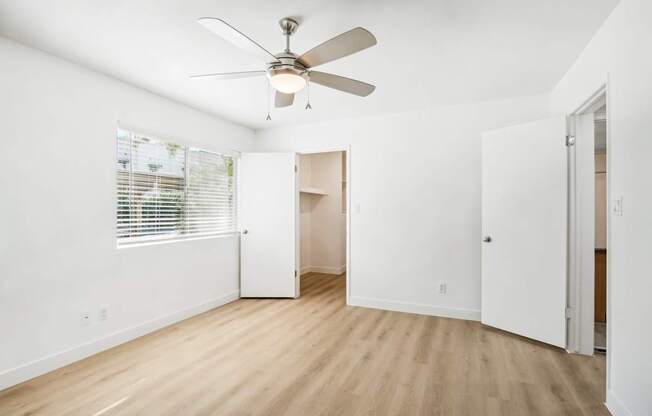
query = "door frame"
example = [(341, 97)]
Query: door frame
[(584, 293), (347, 149)]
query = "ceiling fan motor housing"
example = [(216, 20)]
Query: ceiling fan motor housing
[(287, 74), (287, 64), (287, 61)]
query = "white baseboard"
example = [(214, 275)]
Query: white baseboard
[(60, 359), (418, 308), (323, 269), (615, 406)]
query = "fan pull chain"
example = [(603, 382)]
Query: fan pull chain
[(269, 117), (308, 106)]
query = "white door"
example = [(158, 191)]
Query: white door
[(524, 215), (268, 215)]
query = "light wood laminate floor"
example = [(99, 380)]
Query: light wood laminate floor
[(317, 356)]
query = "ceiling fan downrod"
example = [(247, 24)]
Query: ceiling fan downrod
[(288, 27)]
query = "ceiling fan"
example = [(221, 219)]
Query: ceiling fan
[(289, 73)]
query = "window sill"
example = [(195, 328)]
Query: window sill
[(156, 242)]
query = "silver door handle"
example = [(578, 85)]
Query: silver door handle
[(245, 231), (486, 239)]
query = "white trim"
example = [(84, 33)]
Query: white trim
[(347, 149), (591, 104), (615, 406), (609, 251), (582, 294), (324, 150), (594, 102), (297, 226), (60, 359), (418, 308), (581, 251), (572, 333), (348, 224), (167, 240)]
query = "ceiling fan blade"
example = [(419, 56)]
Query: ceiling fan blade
[(283, 100), (337, 82), (239, 39), (230, 75), (340, 46)]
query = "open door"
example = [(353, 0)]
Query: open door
[(524, 224), (268, 215)]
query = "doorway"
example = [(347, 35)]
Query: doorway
[(323, 208), (600, 270), (275, 192), (591, 207), (589, 228)]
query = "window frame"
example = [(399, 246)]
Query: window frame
[(145, 240)]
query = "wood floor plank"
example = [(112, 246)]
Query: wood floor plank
[(318, 356)]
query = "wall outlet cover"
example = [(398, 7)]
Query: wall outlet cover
[(443, 288), (103, 314)]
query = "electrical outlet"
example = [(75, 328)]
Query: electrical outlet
[(85, 318), (103, 314), (443, 288)]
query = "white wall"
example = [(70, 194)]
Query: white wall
[(58, 255), (415, 197), (620, 52)]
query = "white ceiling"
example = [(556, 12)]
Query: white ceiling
[(429, 52)]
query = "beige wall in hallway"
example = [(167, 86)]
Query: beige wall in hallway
[(305, 209)]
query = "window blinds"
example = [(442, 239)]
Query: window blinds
[(169, 191), (210, 197)]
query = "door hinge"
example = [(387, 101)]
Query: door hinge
[(296, 169), (295, 273), (569, 313), (570, 140)]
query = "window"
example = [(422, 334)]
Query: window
[(167, 191)]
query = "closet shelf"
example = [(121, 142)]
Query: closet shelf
[(313, 191)]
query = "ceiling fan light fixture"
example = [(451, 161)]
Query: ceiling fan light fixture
[(289, 73), (287, 81)]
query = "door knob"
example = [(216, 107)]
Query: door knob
[(486, 239), (245, 231)]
